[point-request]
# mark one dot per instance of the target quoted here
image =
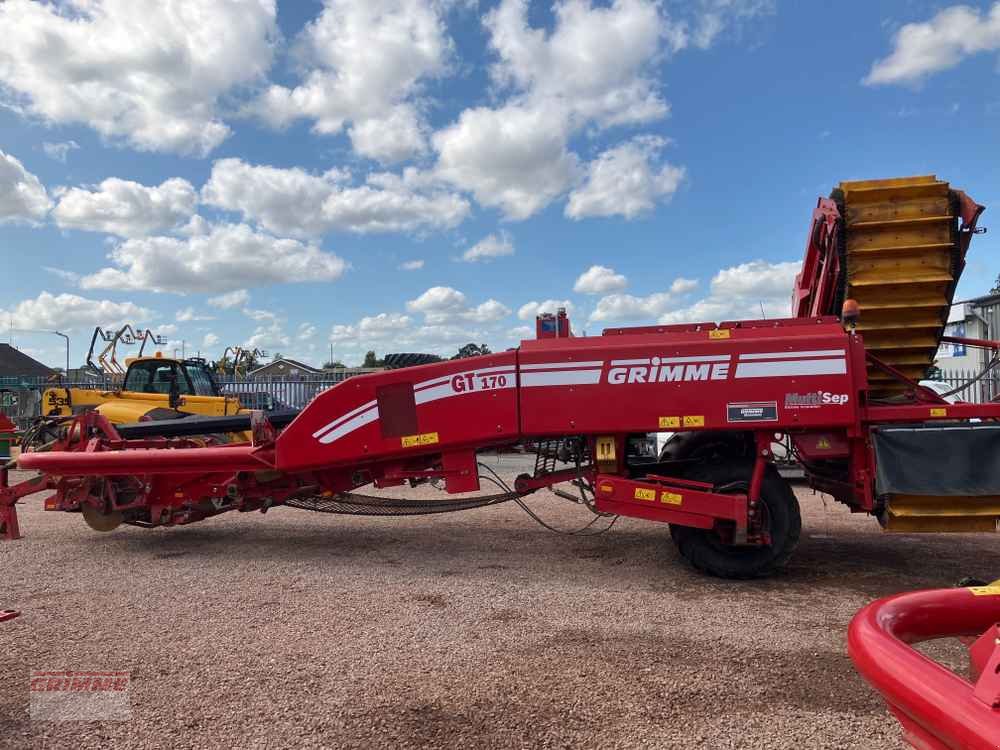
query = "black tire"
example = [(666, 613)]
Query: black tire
[(707, 552)]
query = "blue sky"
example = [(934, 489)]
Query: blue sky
[(240, 173)]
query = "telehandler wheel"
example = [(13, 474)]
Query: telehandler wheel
[(706, 551)]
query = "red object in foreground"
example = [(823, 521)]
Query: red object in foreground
[(8, 614), (937, 709)]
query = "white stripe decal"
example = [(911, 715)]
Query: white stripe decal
[(342, 417), (788, 369), (566, 377), (794, 355), (626, 362), (561, 365), (350, 426)]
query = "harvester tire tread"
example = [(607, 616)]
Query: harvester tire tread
[(705, 552)]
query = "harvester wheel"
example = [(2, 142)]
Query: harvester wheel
[(707, 552), (100, 521)]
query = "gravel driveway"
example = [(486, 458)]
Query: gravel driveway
[(466, 630)]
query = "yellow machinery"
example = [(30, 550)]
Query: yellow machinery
[(154, 388), (904, 256)]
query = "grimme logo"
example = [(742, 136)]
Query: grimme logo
[(816, 398), (655, 370)]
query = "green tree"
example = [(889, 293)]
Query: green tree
[(372, 361), (334, 365), (472, 350)]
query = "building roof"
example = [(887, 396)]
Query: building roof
[(285, 363), (17, 364)]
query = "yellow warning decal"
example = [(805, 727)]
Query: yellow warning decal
[(607, 489), (427, 438), (644, 494), (823, 444), (667, 422), (721, 333), (671, 498), (696, 421), (940, 412), (992, 590), (606, 449)]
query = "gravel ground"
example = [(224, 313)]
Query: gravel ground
[(467, 630)]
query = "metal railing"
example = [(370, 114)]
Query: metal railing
[(981, 391)]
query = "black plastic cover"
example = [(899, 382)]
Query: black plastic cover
[(940, 459)]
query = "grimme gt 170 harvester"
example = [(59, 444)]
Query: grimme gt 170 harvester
[(842, 385)]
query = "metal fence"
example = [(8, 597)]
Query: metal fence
[(981, 391)]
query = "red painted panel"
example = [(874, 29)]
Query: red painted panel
[(787, 377), (461, 403)]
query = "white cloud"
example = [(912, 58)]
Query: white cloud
[(382, 326), (59, 151), (442, 305), (70, 277), (622, 181), (922, 49), (189, 314), (595, 64), (297, 203), (599, 280), (618, 307), (594, 68), (209, 341), (230, 257), (514, 158), (530, 310), (261, 315), (64, 312), (712, 17), (126, 208), (411, 265), (489, 248), (269, 337), (365, 62), (236, 298), (741, 293), (22, 196), (145, 72), (168, 329), (519, 333), (306, 331)]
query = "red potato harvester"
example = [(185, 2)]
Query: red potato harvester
[(844, 391)]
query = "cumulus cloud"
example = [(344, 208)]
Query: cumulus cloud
[(530, 310), (210, 340), (22, 196), (443, 304), (514, 158), (126, 208), (297, 203), (624, 181), (145, 72), (950, 36), (229, 257), (742, 292), (66, 312), (365, 63), (59, 151), (489, 248), (618, 307), (236, 298), (189, 314), (411, 265), (599, 280)]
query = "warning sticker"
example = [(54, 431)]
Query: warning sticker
[(427, 438), (671, 498), (694, 421), (752, 411), (667, 423), (992, 590), (644, 494)]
